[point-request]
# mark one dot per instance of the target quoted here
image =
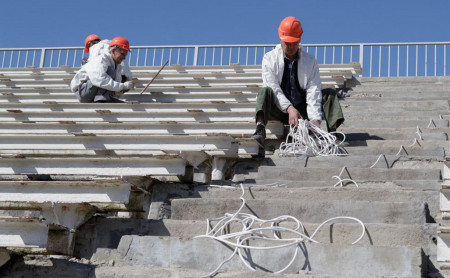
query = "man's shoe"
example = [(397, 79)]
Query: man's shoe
[(260, 135)]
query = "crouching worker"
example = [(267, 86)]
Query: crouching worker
[(292, 89), (95, 46), (100, 80)]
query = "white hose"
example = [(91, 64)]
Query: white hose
[(254, 228), (307, 139)]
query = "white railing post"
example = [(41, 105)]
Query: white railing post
[(41, 63), (195, 55), (361, 55)]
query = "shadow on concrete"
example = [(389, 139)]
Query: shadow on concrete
[(104, 232), (42, 266)]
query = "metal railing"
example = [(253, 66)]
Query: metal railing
[(376, 59)]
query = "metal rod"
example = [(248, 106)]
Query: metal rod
[(154, 76)]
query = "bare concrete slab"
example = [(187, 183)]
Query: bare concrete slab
[(317, 259), (395, 184), (396, 123), (177, 272), (357, 174), (366, 211), (357, 161), (372, 134), (377, 234)]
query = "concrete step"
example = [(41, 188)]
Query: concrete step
[(393, 184), (424, 114), (357, 174), (398, 123), (177, 272), (376, 106), (363, 134), (380, 212), (434, 90), (390, 143), (377, 234), (108, 231), (360, 116), (363, 161), (393, 103), (372, 81), (349, 194), (394, 149), (316, 259), (396, 88), (434, 93)]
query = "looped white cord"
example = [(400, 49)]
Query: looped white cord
[(400, 150), (341, 181), (414, 142), (307, 139), (385, 159), (254, 228), (431, 122), (418, 132)]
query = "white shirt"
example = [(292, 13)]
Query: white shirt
[(308, 78)]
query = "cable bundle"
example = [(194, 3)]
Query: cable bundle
[(307, 139), (254, 228)]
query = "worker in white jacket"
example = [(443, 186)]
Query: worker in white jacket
[(95, 46), (101, 78), (292, 89)]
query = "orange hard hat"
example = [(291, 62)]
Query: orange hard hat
[(120, 42), (290, 29), (88, 39)]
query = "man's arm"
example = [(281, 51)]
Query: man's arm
[(314, 94)]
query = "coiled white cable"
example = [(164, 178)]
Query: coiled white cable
[(254, 228), (307, 139)]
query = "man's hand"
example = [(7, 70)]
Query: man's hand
[(128, 85), (294, 115)]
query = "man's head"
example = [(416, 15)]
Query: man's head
[(90, 41), (290, 32), (119, 48)]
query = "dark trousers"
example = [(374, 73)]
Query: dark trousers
[(87, 92), (330, 106)]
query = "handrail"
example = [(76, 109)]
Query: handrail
[(376, 59)]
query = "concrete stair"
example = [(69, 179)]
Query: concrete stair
[(399, 193), (401, 122)]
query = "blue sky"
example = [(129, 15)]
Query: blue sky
[(62, 23)]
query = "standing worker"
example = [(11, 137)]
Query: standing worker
[(100, 79), (292, 89)]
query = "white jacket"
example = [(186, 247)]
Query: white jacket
[(95, 70), (103, 47), (308, 78), (99, 48)]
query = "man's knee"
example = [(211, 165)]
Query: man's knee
[(264, 92), (86, 93)]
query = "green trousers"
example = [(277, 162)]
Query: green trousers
[(331, 108)]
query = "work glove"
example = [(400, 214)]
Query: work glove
[(128, 85)]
